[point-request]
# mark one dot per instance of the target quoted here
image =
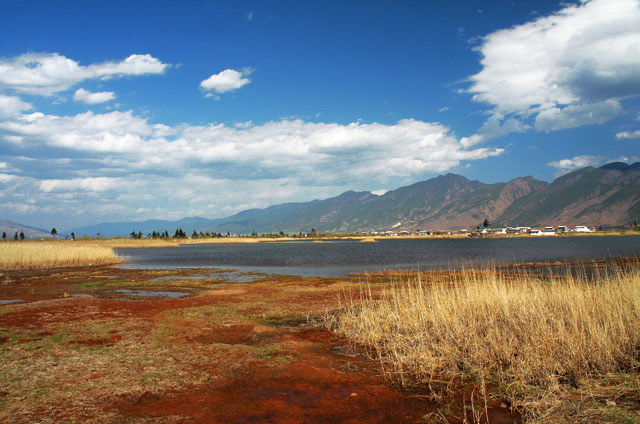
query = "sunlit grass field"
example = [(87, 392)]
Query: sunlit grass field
[(551, 347)]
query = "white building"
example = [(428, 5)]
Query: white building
[(582, 229)]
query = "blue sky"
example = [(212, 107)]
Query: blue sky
[(115, 111)]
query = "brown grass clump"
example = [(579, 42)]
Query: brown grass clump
[(534, 339), (50, 254)]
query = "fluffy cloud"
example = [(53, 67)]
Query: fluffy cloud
[(564, 70), (324, 151), (577, 115), (84, 96), (567, 165), (628, 134), (12, 106), (227, 80), (82, 184), (49, 73)]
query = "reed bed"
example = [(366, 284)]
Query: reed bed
[(531, 337), (51, 254)]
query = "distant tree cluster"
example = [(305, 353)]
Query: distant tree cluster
[(16, 236)]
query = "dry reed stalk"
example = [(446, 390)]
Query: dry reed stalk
[(49, 254), (520, 333)]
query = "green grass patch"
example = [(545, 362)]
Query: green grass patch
[(94, 284), (7, 310), (283, 321)]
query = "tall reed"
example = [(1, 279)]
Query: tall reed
[(517, 332), (48, 254)]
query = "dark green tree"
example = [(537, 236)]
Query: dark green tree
[(54, 232), (486, 223), (73, 235), (15, 236), (21, 235), (4, 235)]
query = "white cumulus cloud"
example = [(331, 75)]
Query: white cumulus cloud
[(352, 152), (84, 96), (628, 135), (567, 165), (564, 70), (225, 81), (12, 106), (49, 73), (577, 115), (83, 184)]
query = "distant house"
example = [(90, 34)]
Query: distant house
[(582, 229), (544, 231), (561, 229), (548, 231)]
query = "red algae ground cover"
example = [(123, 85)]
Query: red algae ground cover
[(76, 349)]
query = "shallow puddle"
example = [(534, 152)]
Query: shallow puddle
[(347, 351), (8, 301), (230, 276), (148, 293)]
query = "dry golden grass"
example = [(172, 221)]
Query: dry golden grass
[(534, 339), (49, 254)]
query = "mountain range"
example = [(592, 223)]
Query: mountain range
[(605, 196)]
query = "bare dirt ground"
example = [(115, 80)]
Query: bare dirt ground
[(80, 347)]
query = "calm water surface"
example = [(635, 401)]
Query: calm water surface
[(341, 257)]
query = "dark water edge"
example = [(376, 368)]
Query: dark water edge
[(337, 258)]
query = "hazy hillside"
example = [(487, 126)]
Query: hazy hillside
[(609, 195), (10, 228)]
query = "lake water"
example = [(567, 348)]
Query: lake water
[(341, 257)]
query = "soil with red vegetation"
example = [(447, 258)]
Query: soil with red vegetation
[(312, 377)]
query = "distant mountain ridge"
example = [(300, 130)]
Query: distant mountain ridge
[(609, 195)]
